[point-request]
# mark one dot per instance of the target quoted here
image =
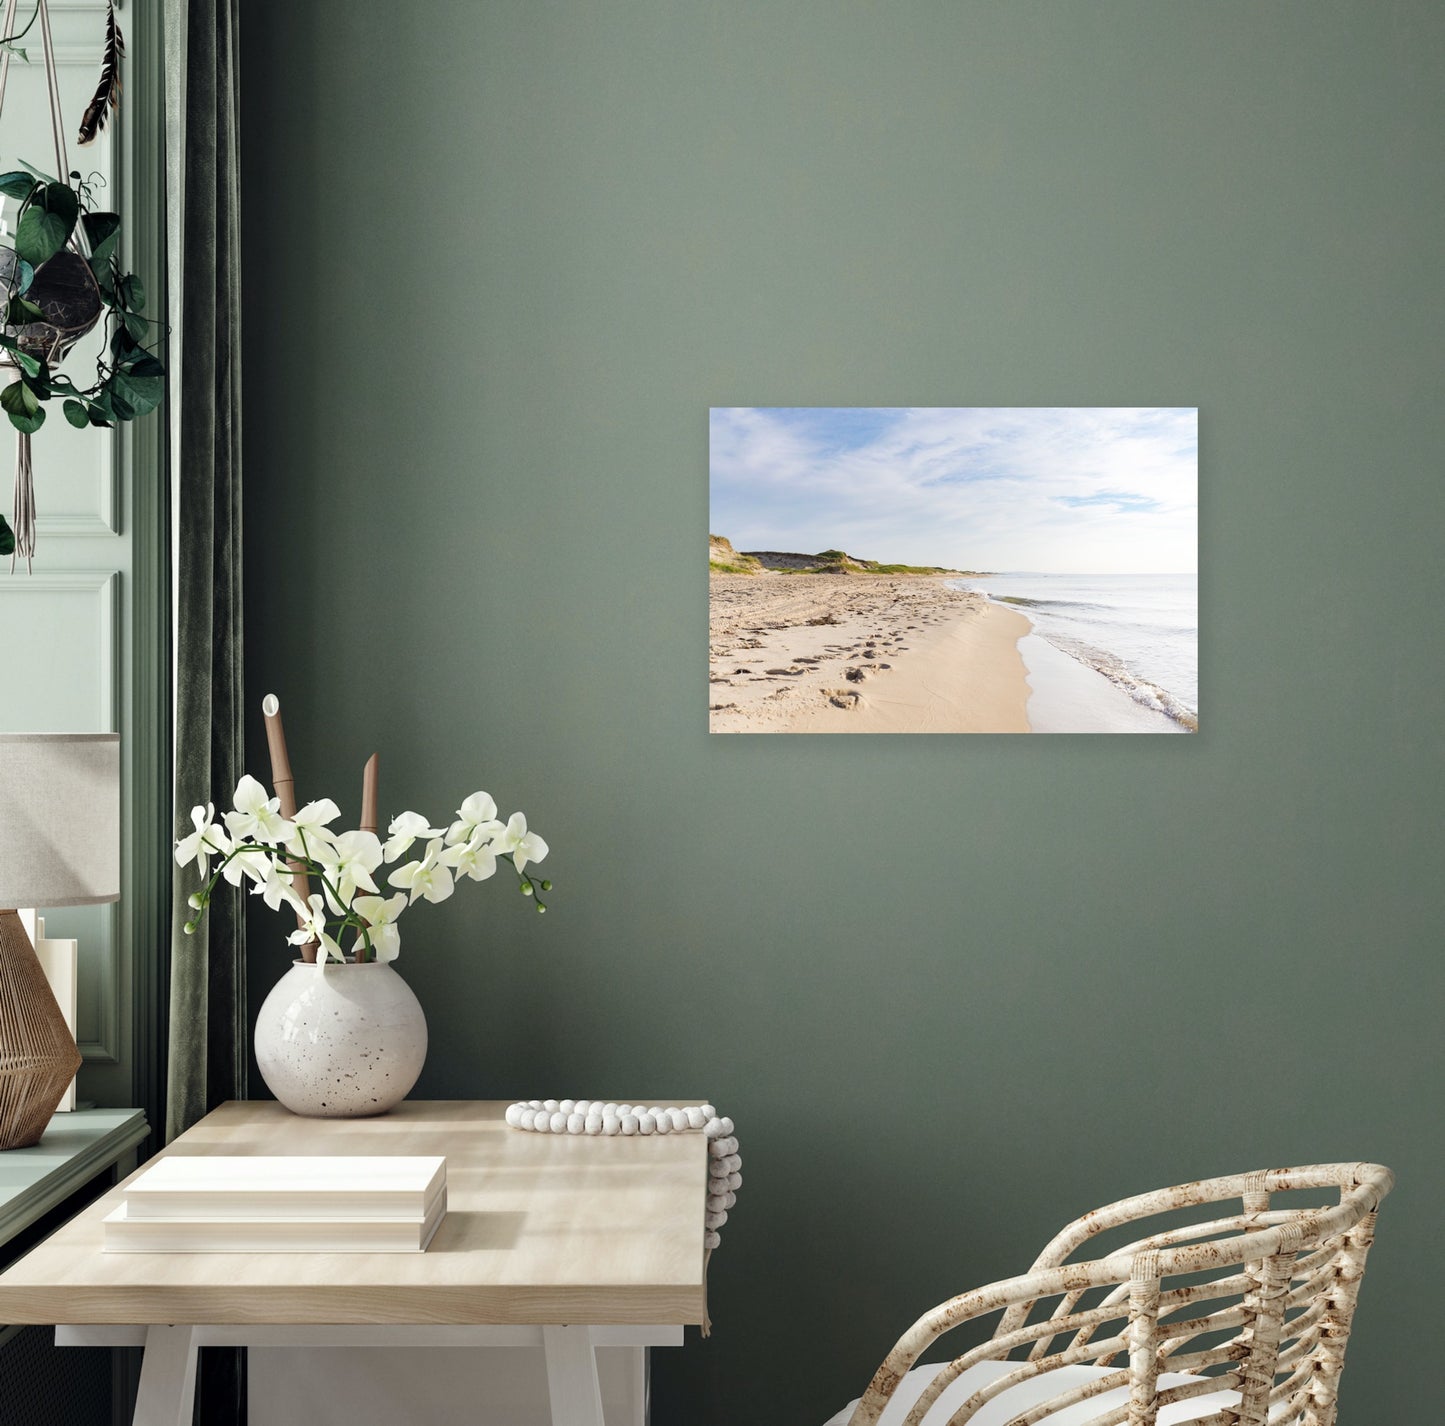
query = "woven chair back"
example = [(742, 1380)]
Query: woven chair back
[(1242, 1292)]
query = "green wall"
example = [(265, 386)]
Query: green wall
[(502, 257)]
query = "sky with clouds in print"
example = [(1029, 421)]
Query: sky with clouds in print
[(1100, 490)]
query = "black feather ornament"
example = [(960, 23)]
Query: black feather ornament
[(107, 92)]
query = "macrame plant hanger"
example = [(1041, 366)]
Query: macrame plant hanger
[(24, 521)]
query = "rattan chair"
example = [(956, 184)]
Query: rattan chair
[(1240, 1320)]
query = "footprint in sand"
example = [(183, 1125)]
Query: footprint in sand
[(843, 698), (804, 658), (721, 707), (786, 672)]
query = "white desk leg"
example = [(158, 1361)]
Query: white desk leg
[(167, 1395), (572, 1376), (635, 1365)]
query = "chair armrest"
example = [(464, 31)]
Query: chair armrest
[(1009, 1292)]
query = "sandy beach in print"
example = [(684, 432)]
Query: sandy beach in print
[(953, 570), (861, 653)]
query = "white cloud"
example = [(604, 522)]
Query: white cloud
[(1012, 488)]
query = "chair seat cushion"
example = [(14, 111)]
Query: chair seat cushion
[(1031, 1393)]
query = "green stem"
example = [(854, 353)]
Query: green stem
[(9, 40)]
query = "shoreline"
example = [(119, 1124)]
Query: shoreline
[(1067, 696), (862, 654)]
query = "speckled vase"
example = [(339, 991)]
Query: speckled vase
[(340, 1041)]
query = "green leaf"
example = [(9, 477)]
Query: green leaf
[(16, 185), (40, 235), (19, 400), (25, 412), (144, 364), (7, 538), (16, 50), (136, 326), (20, 313), (62, 200), (102, 232), (25, 275), (76, 414), (132, 292), (28, 364), (38, 172), (46, 225), (140, 393), (105, 280)]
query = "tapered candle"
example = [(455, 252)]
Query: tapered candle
[(368, 821), (368, 793), (285, 786)]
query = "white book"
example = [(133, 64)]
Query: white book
[(127, 1234), (330, 1189)]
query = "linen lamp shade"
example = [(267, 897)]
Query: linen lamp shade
[(59, 846), (59, 819)]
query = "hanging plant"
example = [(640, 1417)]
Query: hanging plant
[(53, 296), (59, 278)]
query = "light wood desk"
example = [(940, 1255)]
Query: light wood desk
[(564, 1242)]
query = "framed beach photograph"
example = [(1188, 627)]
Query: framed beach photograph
[(953, 569)]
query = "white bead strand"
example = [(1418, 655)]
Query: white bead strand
[(594, 1116)]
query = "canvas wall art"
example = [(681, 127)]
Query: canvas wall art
[(953, 570)]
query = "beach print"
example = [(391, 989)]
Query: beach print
[(953, 570)]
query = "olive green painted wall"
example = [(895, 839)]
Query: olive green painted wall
[(502, 258)]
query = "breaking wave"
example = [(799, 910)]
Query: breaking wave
[(1149, 695)]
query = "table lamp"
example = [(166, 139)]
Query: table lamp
[(59, 846)]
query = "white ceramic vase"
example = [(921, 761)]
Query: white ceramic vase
[(340, 1041)]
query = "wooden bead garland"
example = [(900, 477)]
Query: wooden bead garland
[(592, 1116)]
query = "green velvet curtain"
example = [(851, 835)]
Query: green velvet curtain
[(207, 1037)]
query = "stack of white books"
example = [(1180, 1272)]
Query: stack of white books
[(224, 1204)]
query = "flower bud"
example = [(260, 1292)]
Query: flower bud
[(546, 886), (189, 928), (195, 901), (527, 889), (540, 908)]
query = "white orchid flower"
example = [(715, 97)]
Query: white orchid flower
[(404, 830), (427, 878), (380, 914), (313, 928), (476, 817), (278, 889), (349, 861), (203, 843), (311, 829), (475, 859), (257, 818), (524, 846), (253, 862)]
